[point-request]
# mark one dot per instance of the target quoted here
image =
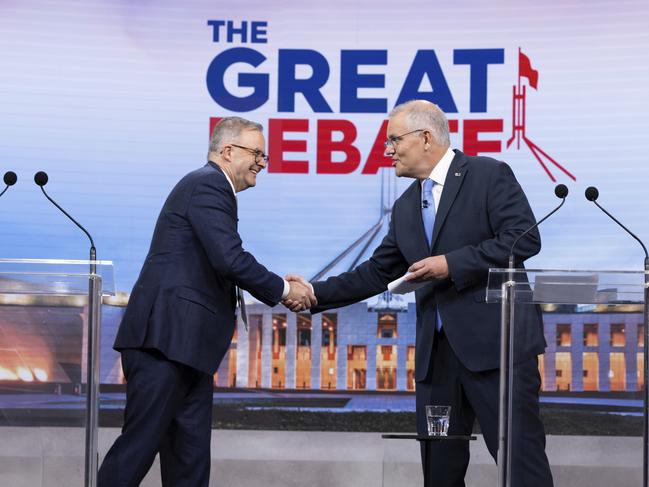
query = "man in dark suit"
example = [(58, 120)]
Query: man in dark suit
[(458, 218), (181, 315)]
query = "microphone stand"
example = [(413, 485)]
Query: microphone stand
[(93, 250), (591, 195), (92, 355), (505, 399)]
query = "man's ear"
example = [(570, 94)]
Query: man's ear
[(226, 153), (428, 139)]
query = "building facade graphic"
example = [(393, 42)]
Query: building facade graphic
[(361, 347)]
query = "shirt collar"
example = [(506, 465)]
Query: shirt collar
[(229, 181), (438, 174)]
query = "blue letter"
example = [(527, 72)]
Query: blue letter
[(258, 32), (426, 64), (350, 81), (258, 81), (288, 85), (478, 59), (232, 30), (216, 26)]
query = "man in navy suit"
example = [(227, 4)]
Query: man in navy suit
[(458, 218), (181, 315)]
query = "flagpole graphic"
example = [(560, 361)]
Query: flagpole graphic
[(525, 70)]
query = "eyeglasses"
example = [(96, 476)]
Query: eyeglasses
[(259, 155), (393, 141)]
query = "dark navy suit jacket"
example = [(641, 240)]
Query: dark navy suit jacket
[(481, 212), (183, 303)]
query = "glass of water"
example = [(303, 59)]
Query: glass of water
[(437, 419)]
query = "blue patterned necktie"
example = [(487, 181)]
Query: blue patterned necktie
[(428, 217), (428, 209)]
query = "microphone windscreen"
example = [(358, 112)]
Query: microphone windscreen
[(41, 178), (10, 178), (561, 190), (591, 193)]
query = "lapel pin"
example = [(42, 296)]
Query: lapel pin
[(458, 174)]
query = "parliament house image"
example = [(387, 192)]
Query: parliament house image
[(365, 347)]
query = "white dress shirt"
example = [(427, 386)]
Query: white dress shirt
[(438, 175)]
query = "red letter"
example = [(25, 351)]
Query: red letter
[(453, 126), (277, 146), (472, 146), (327, 146), (377, 159)]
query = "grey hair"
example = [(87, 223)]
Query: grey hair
[(422, 114), (228, 130)]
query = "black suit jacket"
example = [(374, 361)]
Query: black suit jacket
[(183, 303), (481, 212)]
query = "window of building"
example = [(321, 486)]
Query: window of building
[(356, 367), (590, 364), (617, 372), (303, 360), (617, 335), (278, 347), (640, 364), (410, 367), (255, 328), (386, 352), (640, 335), (387, 326), (386, 367), (563, 367), (591, 338), (328, 349), (563, 335)]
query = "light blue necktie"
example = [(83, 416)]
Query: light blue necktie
[(428, 217), (428, 209)]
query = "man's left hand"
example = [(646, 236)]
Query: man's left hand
[(428, 269)]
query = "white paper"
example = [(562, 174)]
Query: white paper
[(401, 286)]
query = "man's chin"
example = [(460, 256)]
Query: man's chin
[(400, 173)]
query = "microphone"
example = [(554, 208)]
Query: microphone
[(592, 194), (424, 204), (561, 191), (41, 179), (10, 179)]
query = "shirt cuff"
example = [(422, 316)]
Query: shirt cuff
[(287, 289)]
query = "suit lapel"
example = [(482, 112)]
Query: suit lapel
[(413, 221), (216, 167), (454, 178)]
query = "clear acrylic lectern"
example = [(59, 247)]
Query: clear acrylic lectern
[(512, 287), (50, 315)]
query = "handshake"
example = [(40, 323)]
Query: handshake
[(300, 295)]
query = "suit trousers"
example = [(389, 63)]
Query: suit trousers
[(168, 410), (475, 395)]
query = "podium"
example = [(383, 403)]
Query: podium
[(513, 287), (50, 316)]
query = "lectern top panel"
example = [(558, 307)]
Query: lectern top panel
[(561, 286), (54, 276)]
